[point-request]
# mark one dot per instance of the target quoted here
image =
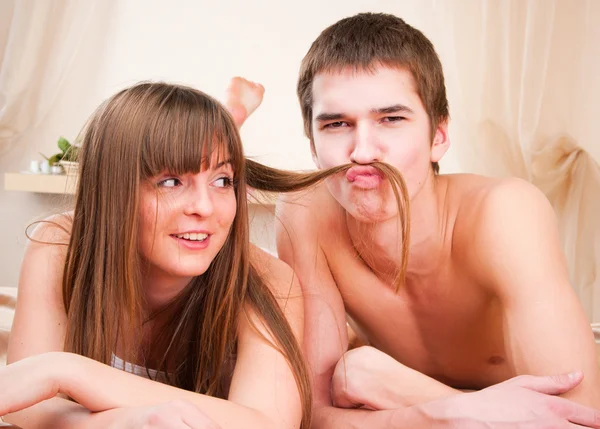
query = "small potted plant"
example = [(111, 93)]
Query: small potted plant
[(66, 158)]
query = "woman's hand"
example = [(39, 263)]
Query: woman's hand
[(29, 381), (172, 415)]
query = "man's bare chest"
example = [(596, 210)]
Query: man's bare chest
[(445, 328)]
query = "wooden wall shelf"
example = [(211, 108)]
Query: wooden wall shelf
[(42, 183)]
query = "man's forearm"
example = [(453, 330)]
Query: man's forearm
[(340, 418)]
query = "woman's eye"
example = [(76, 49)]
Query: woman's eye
[(223, 182), (169, 183)]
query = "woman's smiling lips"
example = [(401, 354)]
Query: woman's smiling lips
[(193, 240)]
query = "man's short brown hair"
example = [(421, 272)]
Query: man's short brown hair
[(365, 41)]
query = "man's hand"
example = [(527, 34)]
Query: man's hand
[(172, 415), (522, 402), (368, 378)]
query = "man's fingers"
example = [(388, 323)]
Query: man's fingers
[(577, 414), (550, 385)]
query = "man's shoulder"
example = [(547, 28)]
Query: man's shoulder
[(313, 208), (308, 226), (508, 206), (479, 199), (492, 208)]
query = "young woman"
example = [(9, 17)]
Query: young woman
[(153, 273)]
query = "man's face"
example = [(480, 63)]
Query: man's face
[(361, 117)]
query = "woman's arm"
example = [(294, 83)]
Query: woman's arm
[(40, 320), (263, 391), (39, 327), (60, 413), (99, 387)]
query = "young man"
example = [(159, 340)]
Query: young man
[(486, 295)]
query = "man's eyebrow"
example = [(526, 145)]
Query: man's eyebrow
[(396, 108), (322, 117)]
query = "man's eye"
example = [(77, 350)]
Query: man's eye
[(338, 124), (393, 118), (169, 183), (223, 182)]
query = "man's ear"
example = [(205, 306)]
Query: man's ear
[(441, 141)]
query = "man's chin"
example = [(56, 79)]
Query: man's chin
[(368, 211), (368, 206)]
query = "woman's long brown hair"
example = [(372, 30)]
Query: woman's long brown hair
[(137, 134)]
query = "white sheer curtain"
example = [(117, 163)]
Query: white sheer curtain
[(39, 45), (524, 84)]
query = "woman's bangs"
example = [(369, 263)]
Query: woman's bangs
[(189, 132)]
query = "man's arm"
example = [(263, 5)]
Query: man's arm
[(325, 334), (517, 252)]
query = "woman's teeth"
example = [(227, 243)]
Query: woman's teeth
[(192, 236)]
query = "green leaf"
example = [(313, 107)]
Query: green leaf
[(54, 159), (63, 144)]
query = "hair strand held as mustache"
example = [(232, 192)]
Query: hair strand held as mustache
[(269, 179)]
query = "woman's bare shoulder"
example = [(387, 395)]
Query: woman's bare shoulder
[(55, 229)]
